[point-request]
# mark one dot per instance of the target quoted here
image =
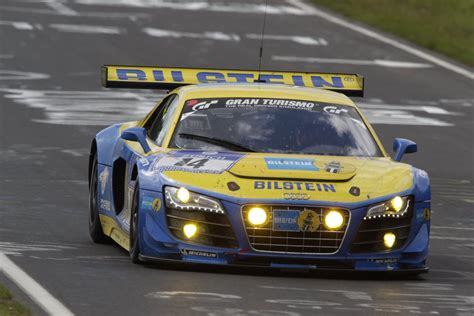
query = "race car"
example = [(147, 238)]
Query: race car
[(256, 168)]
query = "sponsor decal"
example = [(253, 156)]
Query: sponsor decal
[(294, 185), (103, 179), (281, 103), (334, 109), (384, 260), (150, 203), (196, 162), (290, 164), (147, 203), (105, 205), (308, 221), (198, 105), (189, 76), (294, 220), (333, 167), (156, 204), (355, 191), (285, 220), (201, 105), (198, 253)]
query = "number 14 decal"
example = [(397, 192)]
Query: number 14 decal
[(196, 163)]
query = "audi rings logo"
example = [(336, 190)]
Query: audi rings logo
[(296, 196)]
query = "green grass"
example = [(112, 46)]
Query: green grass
[(8, 306), (444, 26)]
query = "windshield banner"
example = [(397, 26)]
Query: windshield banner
[(196, 105)]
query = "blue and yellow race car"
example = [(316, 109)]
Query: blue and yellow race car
[(256, 168)]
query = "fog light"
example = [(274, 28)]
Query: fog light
[(183, 195), (396, 203), (333, 220), (190, 230), (257, 216), (389, 240)]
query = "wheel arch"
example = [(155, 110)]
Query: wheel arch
[(422, 186)]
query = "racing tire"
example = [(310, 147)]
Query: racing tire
[(95, 227), (134, 231)]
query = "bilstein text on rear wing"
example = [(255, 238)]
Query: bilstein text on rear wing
[(170, 78)]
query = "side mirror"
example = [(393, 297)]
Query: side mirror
[(403, 146), (136, 134)]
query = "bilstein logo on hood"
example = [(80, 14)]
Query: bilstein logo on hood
[(294, 185), (291, 164)]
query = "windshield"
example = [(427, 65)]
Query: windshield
[(273, 126)]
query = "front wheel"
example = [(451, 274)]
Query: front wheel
[(134, 230), (95, 227)]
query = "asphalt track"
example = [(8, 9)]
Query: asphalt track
[(51, 105)]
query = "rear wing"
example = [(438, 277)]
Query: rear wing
[(170, 78)]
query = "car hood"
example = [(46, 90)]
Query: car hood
[(271, 176)]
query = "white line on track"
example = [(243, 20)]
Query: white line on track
[(375, 62), (21, 75), (417, 108), (299, 39), (353, 295), (203, 5), (19, 25), (450, 227), (61, 8), (102, 14), (451, 255), (32, 288), (86, 29), (217, 36), (369, 33), (95, 108), (451, 238)]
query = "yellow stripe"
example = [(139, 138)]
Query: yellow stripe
[(111, 228)]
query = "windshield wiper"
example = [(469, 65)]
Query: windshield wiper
[(217, 141)]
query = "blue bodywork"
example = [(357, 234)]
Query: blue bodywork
[(156, 241)]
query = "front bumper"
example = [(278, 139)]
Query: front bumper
[(158, 243), (400, 271)]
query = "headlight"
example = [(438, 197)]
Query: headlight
[(395, 207), (190, 230), (389, 239), (257, 216), (183, 199), (183, 195), (333, 220)]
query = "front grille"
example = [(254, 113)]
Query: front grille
[(321, 241), (369, 237), (213, 229)]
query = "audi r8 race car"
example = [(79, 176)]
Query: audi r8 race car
[(256, 168)]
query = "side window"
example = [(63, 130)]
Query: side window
[(158, 112), (158, 124)]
